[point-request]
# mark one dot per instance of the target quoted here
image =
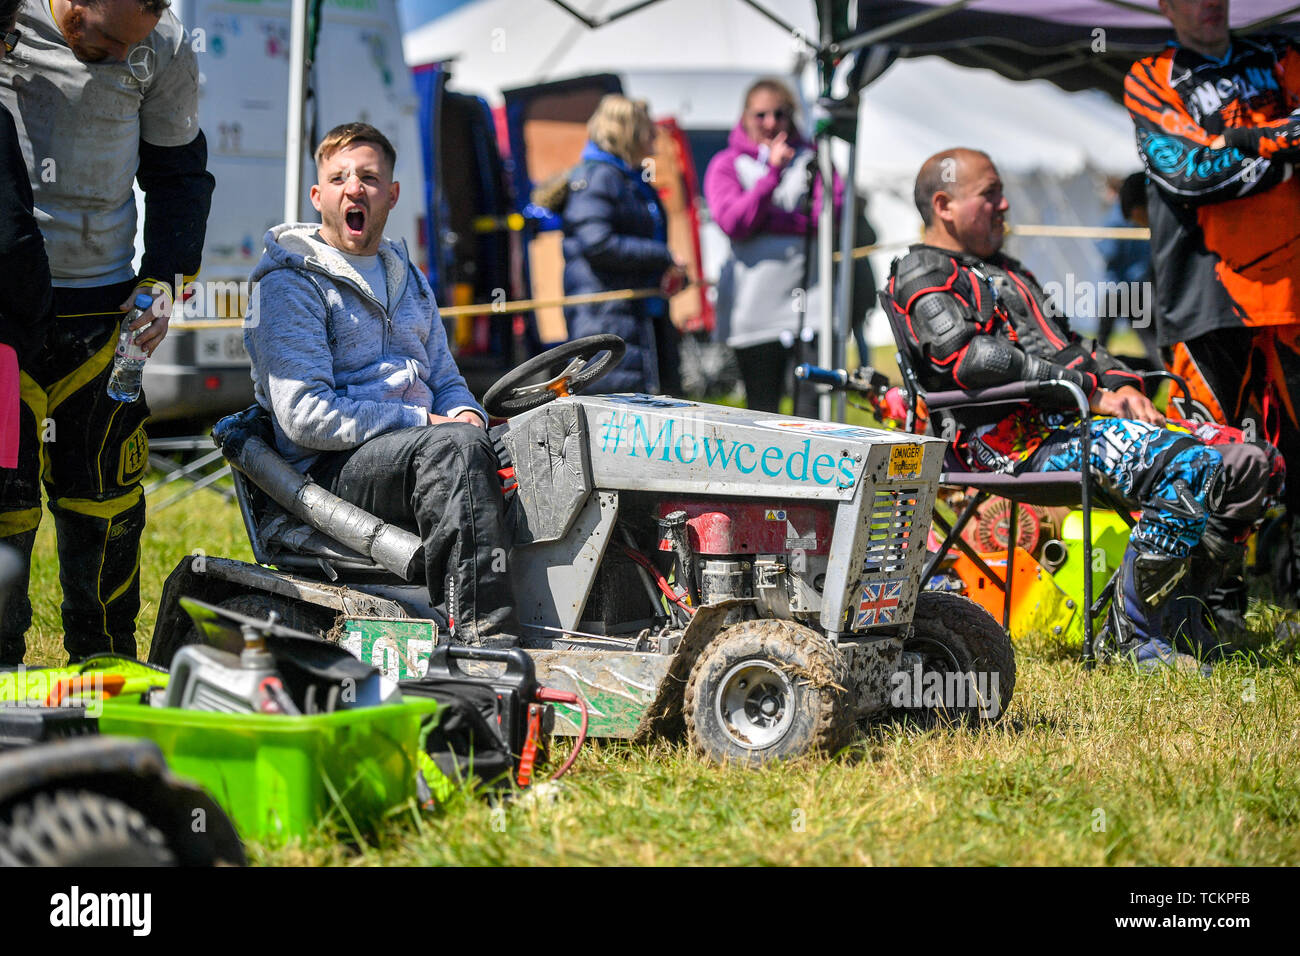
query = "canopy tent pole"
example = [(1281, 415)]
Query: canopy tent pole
[(825, 270), (885, 32), (844, 290), (788, 28), (293, 135), (1270, 20), (825, 218)]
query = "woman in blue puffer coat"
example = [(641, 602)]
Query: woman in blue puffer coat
[(615, 237)]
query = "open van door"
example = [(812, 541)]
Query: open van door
[(472, 236), (679, 189), (547, 128)]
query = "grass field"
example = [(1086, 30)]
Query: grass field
[(1109, 767)]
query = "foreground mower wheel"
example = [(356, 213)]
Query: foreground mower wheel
[(766, 690), (292, 614), (68, 828), (968, 668)]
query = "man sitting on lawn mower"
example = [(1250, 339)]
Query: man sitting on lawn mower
[(350, 357), (978, 319)]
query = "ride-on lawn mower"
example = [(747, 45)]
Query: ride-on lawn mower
[(754, 577)]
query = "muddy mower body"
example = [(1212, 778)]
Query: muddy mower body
[(754, 578)]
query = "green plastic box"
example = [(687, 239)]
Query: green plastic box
[(280, 777), (1110, 537)]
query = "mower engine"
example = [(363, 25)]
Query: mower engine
[(767, 550)]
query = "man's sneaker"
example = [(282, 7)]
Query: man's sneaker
[(1155, 654)]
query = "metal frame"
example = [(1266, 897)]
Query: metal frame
[(192, 470), (999, 395)]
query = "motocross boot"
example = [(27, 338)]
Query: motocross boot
[(1140, 615)]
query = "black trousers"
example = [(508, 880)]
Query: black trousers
[(1250, 378), (1251, 374), (443, 480), (90, 451), (767, 370)]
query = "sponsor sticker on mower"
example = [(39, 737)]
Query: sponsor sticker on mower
[(656, 438)]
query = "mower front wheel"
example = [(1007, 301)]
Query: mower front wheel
[(767, 690), (967, 668)]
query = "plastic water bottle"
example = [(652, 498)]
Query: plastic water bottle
[(128, 362)]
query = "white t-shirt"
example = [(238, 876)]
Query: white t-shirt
[(80, 126), (371, 268)]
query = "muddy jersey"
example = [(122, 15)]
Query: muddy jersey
[(82, 126), (1225, 223)]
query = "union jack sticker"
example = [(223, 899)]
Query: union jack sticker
[(879, 604)]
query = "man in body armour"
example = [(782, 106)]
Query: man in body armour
[(977, 318)]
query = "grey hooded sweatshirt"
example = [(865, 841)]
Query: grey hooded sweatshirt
[(333, 366)]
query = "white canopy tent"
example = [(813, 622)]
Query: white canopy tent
[(501, 44), (693, 61), (1054, 149)]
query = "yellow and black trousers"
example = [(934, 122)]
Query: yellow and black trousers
[(90, 453)]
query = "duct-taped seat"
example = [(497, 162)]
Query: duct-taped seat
[(292, 522)]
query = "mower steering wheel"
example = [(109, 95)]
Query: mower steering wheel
[(555, 373)]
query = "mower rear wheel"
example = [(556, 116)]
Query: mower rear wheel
[(767, 690), (79, 828), (968, 667), (292, 614)]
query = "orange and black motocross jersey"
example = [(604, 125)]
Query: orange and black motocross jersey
[(1225, 223)]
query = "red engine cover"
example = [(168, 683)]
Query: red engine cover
[(752, 527)]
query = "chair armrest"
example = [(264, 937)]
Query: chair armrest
[(1173, 377), (1007, 394)]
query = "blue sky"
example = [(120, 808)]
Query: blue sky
[(416, 13)]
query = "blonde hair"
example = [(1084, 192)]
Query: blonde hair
[(770, 84), (619, 125)]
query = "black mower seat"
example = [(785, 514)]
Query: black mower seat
[(274, 516)]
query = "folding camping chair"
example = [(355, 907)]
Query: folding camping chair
[(1050, 489)]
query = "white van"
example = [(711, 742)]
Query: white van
[(201, 372)]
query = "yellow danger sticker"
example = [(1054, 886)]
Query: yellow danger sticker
[(774, 516), (905, 461)]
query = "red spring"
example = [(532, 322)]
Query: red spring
[(529, 756)]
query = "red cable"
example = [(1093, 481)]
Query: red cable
[(550, 695), (664, 586)]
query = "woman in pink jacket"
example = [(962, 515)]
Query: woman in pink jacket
[(757, 191)]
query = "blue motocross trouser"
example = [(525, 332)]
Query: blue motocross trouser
[(1143, 464)]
